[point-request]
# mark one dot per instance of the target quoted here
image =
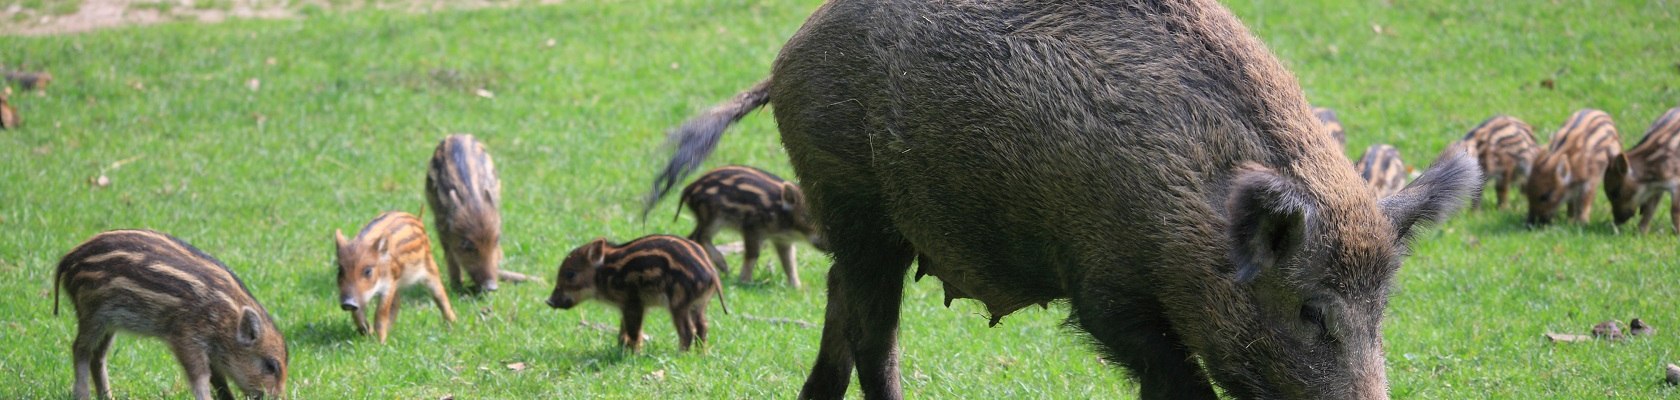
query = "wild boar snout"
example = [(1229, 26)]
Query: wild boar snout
[(561, 302)]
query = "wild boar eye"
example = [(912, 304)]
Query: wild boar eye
[(567, 275), (1313, 316), (467, 245), (368, 272), (270, 366)]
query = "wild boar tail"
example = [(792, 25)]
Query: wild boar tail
[(721, 301), (58, 280), (680, 200), (696, 139)]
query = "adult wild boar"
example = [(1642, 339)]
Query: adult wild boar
[(1149, 161)]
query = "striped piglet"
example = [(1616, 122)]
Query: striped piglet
[(153, 284), (1638, 179), (390, 253)]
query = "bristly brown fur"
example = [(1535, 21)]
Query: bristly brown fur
[(1332, 123), (1032, 151)]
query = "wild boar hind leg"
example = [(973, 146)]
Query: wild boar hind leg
[(860, 328), (93, 343), (440, 296)]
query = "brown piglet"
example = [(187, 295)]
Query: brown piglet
[(390, 253), (8, 116), (461, 185), (652, 271), (28, 80), (156, 285)]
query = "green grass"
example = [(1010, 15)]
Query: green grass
[(347, 114)]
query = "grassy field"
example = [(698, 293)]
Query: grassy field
[(254, 140)]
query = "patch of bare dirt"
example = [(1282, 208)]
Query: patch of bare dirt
[(52, 19)]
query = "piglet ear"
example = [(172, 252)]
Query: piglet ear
[(1268, 220), (790, 196), (1435, 195), (338, 237), (596, 252), (250, 326), (380, 246)]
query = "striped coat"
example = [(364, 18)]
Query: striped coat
[(1505, 148), (390, 253), (1638, 179), (461, 185), (156, 285), (651, 271), (758, 204), (1571, 168), (1383, 170)]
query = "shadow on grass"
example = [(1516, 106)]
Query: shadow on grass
[(777, 284), (590, 360), (325, 334)]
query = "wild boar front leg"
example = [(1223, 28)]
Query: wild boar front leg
[(1582, 207), (784, 251), (1500, 188), (218, 383), (449, 258), (630, 326), (1157, 358), (387, 312), (196, 361), (751, 242), (860, 328), (360, 317)]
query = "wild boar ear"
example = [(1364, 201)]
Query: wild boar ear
[(489, 198), (790, 196), (1440, 191), (250, 326), (1268, 220), (596, 252), (380, 247), (338, 237), (1618, 166), (1561, 169)]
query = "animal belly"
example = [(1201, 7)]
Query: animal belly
[(991, 285)]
